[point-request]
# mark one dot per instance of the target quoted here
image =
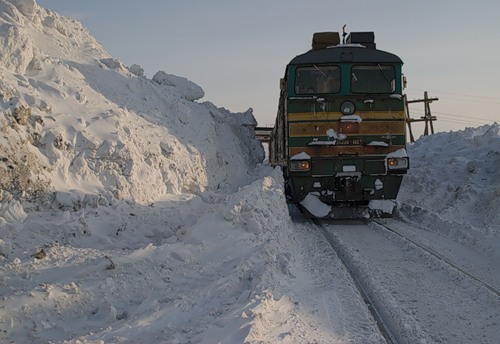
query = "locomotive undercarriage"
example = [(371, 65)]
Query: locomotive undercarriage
[(344, 196)]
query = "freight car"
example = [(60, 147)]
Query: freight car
[(340, 133)]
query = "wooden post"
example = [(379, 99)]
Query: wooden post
[(427, 113), (427, 118)]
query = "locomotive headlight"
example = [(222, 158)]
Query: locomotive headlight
[(349, 127), (397, 163), (347, 108), (299, 165)]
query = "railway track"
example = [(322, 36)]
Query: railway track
[(396, 319), (373, 307), (437, 255)]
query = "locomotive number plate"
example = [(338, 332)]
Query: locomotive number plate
[(350, 142)]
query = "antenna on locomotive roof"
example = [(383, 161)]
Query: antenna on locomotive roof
[(343, 34)]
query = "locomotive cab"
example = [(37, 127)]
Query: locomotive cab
[(340, 130)]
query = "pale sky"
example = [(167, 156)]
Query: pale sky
[(238, 50)]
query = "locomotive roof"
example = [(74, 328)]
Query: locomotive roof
[(345, 53)]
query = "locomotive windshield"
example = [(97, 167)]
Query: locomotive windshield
[(322, 79), (373, 79), (317, 79)]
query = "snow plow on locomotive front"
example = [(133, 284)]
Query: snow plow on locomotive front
[(340, 134)]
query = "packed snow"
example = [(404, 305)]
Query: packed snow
[(133, 212)]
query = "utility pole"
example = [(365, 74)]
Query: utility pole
[(427, 117)]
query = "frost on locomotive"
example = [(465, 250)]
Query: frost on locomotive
[(340, 134)]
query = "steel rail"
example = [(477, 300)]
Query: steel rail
[(371, 305), (438, 256)]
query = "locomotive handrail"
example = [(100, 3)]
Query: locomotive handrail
[(263, 133)]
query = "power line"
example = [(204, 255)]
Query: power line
[(454, 115), (425, 114), (469, 101), (457, 119), (466, 117), (419, 111), (458, 94), (461, 122), (466, 100), (453, 119)]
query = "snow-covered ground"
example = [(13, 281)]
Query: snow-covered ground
[(133, 212)]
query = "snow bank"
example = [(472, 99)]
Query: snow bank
[(76, 122), (188, 89), (26, 7), (453, 185), (111, 184), (95, 264)]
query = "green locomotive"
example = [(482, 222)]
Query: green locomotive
[(340, 133)]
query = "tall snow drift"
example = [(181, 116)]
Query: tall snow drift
[(454, 186), (77, 125)]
